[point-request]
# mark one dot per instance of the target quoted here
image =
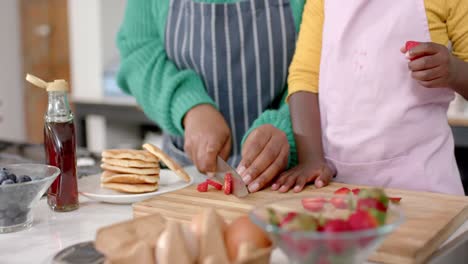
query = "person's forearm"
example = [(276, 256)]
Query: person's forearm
[(305, 117), (460, 81)]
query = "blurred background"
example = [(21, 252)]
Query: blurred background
[(75, 40)]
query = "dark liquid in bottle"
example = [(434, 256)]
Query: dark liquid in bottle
[(60, 152)]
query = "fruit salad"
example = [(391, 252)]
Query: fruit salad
[(355, 210)]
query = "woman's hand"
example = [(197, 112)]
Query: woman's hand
[(264, 156), (207, 135), (303, 174)]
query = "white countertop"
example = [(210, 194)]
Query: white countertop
[(52, 232)]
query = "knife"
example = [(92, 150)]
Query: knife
[(239, 189)]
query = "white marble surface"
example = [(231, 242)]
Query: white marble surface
[(52, 232)]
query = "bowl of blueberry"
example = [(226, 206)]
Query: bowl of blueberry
[(21, 187)]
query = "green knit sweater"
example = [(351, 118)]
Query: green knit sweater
[(165, 93)]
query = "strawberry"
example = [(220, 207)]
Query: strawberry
[(356, 191), (411, 44), (336, 225), (377, 194), (361, 220), (395, 200), (313, 204), (365, 204), (228, 184), (215, 184), (299, 222), (202, 187), (288, 218), (342, 191), (380, 216), (339, 203)]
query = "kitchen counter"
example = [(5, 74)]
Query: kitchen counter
[(52, 232)]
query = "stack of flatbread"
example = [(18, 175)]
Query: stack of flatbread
[(130, 171)]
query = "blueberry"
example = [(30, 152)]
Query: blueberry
[(24, 178), (12, 177), (6, 182)]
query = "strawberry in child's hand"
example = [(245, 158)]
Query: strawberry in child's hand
[(410, 45), (202, 187), (313, 204), (342, 191), (217, 185), (361, 220), (228, 184)]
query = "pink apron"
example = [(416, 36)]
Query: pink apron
[(380, 127)]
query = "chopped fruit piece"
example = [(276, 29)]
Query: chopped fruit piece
[(378, 194), (202, 187), (395, 200), (339, 203), (380, 216), (228, 184), (336, 225), (313, 204), (356, 191), (217, 185), (301, 222), (273, 217), (411, 44), (365, 204), (288, 218), (343, 190), (361, 220)]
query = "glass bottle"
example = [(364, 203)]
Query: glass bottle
[(60, 145)]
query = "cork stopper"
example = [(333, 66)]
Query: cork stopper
[(55, 86)]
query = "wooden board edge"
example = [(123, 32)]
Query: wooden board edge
[(444, 234)]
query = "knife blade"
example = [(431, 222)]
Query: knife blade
[(238, 189)]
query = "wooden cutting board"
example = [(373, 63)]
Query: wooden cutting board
[(430, 218)]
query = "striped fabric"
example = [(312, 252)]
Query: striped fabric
[(241, 50)]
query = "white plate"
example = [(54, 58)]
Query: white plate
[(90, 186)]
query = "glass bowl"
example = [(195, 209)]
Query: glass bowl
[(319, 246), (17, 200)]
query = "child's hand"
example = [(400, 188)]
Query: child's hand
[(431, 64), (303, 174)]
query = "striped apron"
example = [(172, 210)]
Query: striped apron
[(241, 51)]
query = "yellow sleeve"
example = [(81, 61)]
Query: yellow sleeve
[(448, 21), (305, 66)]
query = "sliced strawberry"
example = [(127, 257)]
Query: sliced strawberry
[(411, 44), (202, 187), (365, 204), (361, 220), (343, 190), (395, 200), (313, 204), (339, 203), (336, 225), (288, 218), (228, 184), (356, 191), (215, 184)]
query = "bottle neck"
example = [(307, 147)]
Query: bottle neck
[(58, 109)]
